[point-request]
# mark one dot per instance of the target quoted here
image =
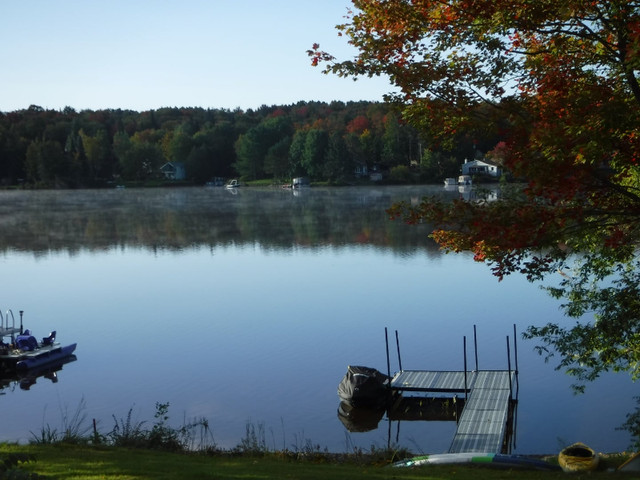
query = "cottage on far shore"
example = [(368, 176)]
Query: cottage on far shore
[(481, 167), (174, 171)]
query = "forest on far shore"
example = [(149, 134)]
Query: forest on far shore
[(333, 142)]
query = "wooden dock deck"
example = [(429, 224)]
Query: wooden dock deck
[(483, 422)]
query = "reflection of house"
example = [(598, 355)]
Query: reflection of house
[(299, 182), (361, 170), (481, 167), (173, 171), (374, 173)]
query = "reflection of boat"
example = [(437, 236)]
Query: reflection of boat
[(578, 458), (359, 419), (28, 378), (364, 387), (399, 408), (19, 349), (232, 184)]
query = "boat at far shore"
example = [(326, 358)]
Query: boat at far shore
[(462, 180), (232, 184), (450, 182), (21, 351)]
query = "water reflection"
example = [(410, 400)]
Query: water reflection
[(271, 291), (182, 218), (401, 408), (25, 380), (417, 409)]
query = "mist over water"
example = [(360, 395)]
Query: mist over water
[(248, 306)]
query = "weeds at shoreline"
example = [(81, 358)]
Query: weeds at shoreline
[(196, 436), (74, 429), (126, 432)]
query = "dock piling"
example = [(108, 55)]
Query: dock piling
[(386, 341), (464, 347), (398, 348), (475, 345), (509, 367)]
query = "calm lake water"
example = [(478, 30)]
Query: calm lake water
[(246, 307)]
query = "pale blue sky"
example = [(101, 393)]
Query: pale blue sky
[(147, 54)]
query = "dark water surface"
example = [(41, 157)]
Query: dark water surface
[(246, 308)]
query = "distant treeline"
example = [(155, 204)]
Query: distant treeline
[(333, 142)]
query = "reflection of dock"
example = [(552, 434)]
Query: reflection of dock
[(486, 421)]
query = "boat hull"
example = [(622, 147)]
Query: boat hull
[(364, 387), (37, 358), (578, 458), (494, 459)]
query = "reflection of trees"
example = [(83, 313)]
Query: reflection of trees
[(42, 221)]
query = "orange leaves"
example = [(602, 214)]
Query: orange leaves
[(358, 125), (557, 80), (318, 55)]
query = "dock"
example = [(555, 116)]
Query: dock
[(485, 422)]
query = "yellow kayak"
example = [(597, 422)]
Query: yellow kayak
[(578, 458)]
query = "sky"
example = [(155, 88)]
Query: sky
[(148, 54)]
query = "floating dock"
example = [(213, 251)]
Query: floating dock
[(485, 423)]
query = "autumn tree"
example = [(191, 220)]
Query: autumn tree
[(46, 164), (97, 150), (276, 162), (252, 148), (336, 167), (557, 82), (391, 142), (314, 152)]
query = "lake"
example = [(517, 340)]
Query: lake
[(246, 307)]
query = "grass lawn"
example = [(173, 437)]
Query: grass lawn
[(112, 463)]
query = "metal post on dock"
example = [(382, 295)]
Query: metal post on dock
[(398, 347), (509, 365), (386, 341), (475, 344), (515, 355), (515, 347), (464, 347)]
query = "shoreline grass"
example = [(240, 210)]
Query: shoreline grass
[(132, 450), (83, 462)]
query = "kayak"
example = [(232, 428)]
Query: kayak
[(494, 459), (578, 458)]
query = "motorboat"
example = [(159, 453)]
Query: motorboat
[(364, 387), (300, 182), (21, 351), (232, 184), (465, 180)]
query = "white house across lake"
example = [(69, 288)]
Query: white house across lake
[(481, 167)]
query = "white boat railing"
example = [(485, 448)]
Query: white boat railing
[(4, 322)]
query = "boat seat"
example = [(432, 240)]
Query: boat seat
[(49, 340), (26, 342)]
